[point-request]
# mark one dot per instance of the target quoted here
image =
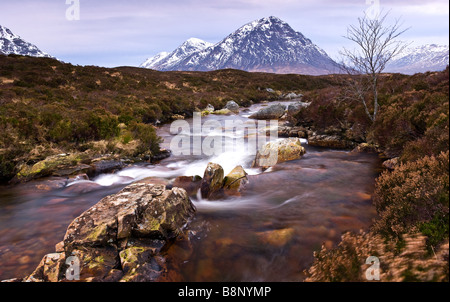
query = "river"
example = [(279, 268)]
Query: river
[(269, 233)]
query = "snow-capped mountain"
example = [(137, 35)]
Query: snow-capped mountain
[(166, 61), (265, 45), (13, 44), (430, 57)]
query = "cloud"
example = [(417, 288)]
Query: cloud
[(113, 32)]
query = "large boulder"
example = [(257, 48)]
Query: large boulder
[(120, 237), (278, 151), (269, 113), (140, 209), (212, 180), (234, 181)]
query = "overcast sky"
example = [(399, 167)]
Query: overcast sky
[(117, 33)]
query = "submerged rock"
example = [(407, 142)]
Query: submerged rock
[(276, 238), (269, 113), (212, 180), (121, 236), (279, 151)]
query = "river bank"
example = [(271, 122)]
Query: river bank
[(254, 227)]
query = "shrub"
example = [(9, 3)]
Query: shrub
[(414, 196), (147, 135)]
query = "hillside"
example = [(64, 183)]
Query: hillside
[(49, 107)]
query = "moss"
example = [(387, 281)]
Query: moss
[(97, 234)]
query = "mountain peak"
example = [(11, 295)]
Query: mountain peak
[(267, 45), (195, 41), (6, 33), (13, 44), (164, 59), (272, 20)]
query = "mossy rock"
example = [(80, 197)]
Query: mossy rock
[(279, 151), (234, 181)]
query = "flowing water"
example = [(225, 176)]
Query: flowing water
[(269, 233)]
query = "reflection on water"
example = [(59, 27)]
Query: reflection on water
[(267, 234)]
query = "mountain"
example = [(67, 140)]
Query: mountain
[(166, 61), (430, 57), (265, 45), (13, 44)]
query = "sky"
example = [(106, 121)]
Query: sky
[(114, 33)]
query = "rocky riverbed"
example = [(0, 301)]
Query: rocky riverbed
[(251, 223)]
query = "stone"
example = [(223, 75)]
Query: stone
[(49, 269), (295, 108), (292, 95), (58, 165), (390, 164), (177, 117), (121, 237), (234, 181), (329, 141), (144, 210), (232, 106), (272, 112), (279, 151), (366, 148), (106, 166), (163, 154), (212, 180), (59, 247)]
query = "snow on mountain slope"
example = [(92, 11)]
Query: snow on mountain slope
[(265, 45), (165, 60), (430, 57), (13, 44)]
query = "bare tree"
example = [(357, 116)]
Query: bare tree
[(376, 45)]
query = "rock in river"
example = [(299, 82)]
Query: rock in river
[(232, 106), (120, 237), (234, 181), (272, 112), (212, 180), (279, 151)]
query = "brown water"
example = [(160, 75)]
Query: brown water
[(267, 234)]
